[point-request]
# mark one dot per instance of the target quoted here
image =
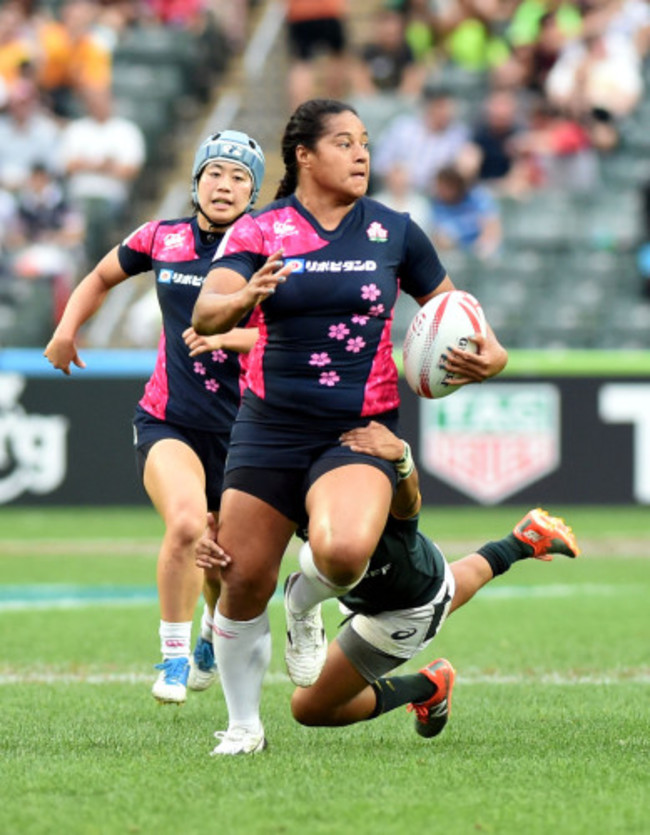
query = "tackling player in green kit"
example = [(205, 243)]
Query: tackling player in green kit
[(397, 608)]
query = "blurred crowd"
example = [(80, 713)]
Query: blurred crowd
[(470, 105), (472, 101), (69, 158)]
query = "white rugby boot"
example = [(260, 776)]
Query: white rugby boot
[(306, 647), (238, 740)]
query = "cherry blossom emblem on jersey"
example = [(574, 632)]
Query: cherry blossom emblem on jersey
[(376, 232)]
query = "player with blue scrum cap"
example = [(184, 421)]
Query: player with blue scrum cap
[(182, 423)]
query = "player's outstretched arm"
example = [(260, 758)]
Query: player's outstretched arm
[(240, 340), (226, 297), (86, 299)]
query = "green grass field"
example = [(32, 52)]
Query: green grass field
[(550, 729)]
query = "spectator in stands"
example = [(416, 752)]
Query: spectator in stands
[(417, 28), (211, 42), (316, 27), (492, 156), (180, 14), (41, 258), (113, 20), (28, 135), (532, 61), (629, 19), (17, 51), (559, 148), (529, 17), (386, 63), (423, 141), (74, 56), (44, 214), (232, 18), (471, 32), (599, 77), (102, 154), (465, 217), (398, 194)]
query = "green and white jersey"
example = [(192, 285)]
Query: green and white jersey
[(406, 570)]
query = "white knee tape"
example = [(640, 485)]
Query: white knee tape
[(311, 572)]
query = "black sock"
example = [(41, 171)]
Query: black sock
[(394, 692), (501, 554)]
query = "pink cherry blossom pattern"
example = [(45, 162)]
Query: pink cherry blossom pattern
[(219, 355), (329, 378), (355, 344), (339, 331), (212, 385), (358, 319), (370, 292), (376, 310), (320, 359), (199, 368)]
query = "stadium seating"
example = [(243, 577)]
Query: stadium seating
[(162, 79)]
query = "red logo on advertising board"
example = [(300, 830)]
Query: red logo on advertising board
[(492, 441)]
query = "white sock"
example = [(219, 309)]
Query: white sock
[(175, 639), (242, 650), (206, 623), (312, 587)]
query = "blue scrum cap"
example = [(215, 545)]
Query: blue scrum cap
[(232, 146)]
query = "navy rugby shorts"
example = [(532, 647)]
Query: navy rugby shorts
[(276, 457), (210, 447)]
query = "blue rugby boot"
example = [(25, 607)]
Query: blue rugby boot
[(203, 668), (171, 685)]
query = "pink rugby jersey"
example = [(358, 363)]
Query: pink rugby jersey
[(201, 392), (325, 346)]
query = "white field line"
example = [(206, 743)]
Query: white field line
[(470, 678)]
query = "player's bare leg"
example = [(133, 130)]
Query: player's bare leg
[(538, 535), (203, 668), (242, 635), (175, 481), (354, 497), (341, 696)]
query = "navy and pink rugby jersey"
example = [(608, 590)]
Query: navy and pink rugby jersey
[(201, 392), (325, 346)]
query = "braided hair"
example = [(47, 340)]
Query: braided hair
[(305, 127)]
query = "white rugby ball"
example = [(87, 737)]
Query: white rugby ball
[(448, 319)]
